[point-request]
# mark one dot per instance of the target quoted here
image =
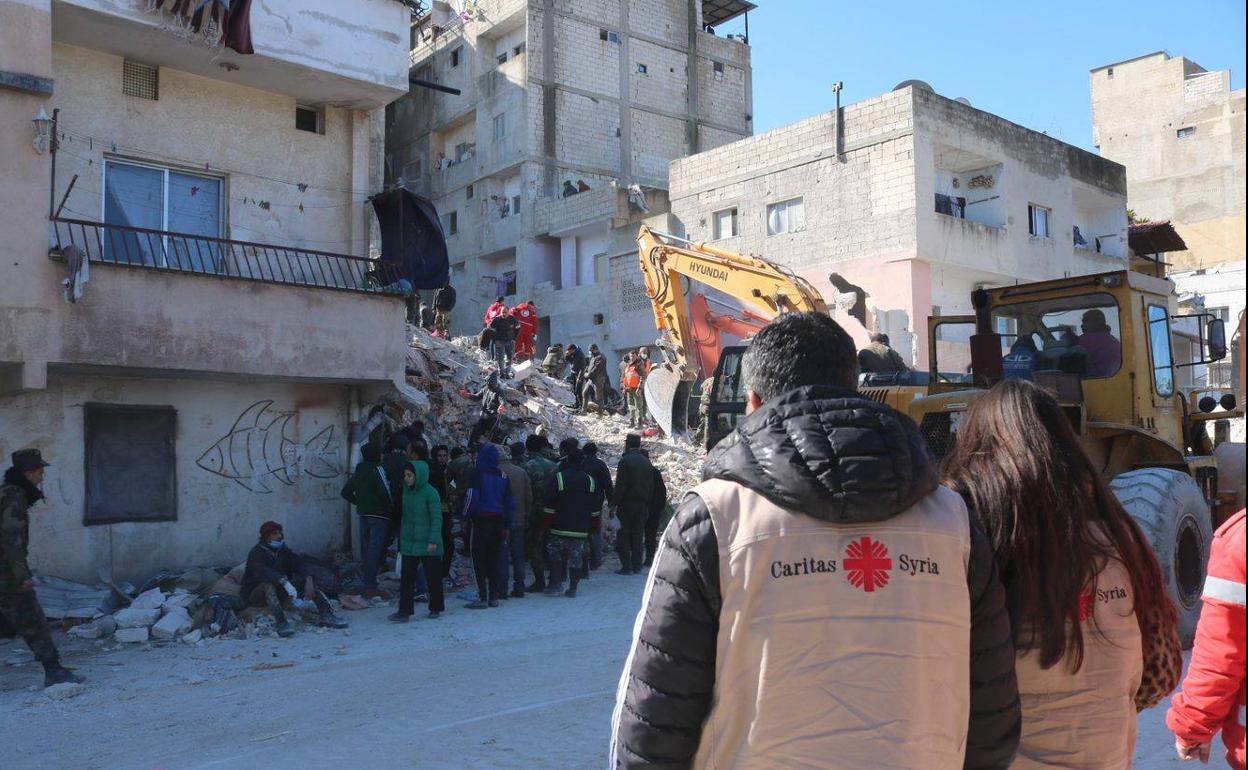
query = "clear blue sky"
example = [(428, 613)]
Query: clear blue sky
[(1027, 62)]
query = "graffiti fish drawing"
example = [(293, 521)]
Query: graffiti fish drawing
[(257, 450)]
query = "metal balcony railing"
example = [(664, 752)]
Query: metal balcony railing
[(202, 255)]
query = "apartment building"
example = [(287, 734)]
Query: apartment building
[(558, 143), (906, 204), (1179, 130), (205, 377)]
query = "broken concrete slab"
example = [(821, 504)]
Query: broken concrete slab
[(193, 637), (173, 625), (131, 635), (178, 599), (106, 624), (132, 617), (86, 631), (148, 600), (65, 690)]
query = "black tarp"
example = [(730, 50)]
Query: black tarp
[(412, 238)]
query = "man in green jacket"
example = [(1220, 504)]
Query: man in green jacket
[(634, 492), (368, 490), (540, 468), (420, 541)]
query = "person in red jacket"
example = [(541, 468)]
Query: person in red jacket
[(495, 310), (1213, 694), (526, 315)]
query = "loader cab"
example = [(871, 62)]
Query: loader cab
[(727, 397)]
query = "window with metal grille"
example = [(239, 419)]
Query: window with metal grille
[(140, 80), (130, 463)]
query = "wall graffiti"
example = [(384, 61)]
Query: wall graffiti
[(257, 451)]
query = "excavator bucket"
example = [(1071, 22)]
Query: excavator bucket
[(667, 399)]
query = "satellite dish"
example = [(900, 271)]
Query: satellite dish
[(919, 84), (963, 100)]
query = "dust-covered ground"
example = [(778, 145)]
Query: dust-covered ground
[(528, 685)]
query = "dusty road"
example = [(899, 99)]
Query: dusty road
[(529, 685)]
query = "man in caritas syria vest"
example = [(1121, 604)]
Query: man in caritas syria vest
[(819, 600)]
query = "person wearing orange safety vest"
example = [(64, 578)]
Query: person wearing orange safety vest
[(1213, 694), (631, 382)]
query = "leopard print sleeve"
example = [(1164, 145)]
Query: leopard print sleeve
[(1163, 655)]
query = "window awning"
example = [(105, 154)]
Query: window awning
[(716, 12), (1154, 238)]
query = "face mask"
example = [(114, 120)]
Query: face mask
[(276, 544)]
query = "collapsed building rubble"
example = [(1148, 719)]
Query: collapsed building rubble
[(202, 603)]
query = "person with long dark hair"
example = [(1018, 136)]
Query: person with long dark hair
[(1095, 632)]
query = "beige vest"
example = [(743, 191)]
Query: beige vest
[(1086, 720), (840, 646)]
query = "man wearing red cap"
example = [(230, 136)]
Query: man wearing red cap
[(267, 581)]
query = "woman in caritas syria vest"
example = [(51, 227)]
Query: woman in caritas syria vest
[(1095, 632)]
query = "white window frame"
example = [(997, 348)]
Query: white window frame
[(734, 219), (500, 127), (784, 211), (223, 210), (1032, 221), (320, 118)]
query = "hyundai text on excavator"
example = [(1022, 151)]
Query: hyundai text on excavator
[(689, 332), (1104, 346)]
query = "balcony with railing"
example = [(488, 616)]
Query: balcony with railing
[(139, 247), (161, 300)]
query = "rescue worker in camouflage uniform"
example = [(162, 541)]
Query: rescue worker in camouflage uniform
[(704, 413), (540, 469), (572, 509), (19, 607)]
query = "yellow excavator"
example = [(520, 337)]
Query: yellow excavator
[(689, 333), (764, 288)]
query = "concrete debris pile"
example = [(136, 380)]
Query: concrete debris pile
[(440, 374)]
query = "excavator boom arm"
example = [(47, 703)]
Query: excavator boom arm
[(764, 288)]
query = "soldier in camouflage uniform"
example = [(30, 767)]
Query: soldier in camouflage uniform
[(704, 413), (540, 469), (19, 607)]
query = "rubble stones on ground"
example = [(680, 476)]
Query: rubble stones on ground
[(148, 600), (177, 599), (131, 635), (85, 631), (106, 624), (65, 690), (193, 636), (176, 623), (19, 657), (132, 617)]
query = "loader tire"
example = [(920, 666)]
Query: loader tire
[(1171, 510)]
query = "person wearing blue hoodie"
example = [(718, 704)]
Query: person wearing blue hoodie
[(489, 509)]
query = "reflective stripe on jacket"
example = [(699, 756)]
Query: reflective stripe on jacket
[(1213, 694)]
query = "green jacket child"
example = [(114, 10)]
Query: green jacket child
[(421, 531)]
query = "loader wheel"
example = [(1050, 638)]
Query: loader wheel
[(1171, 510)]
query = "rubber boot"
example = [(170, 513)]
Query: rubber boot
[(555, 587), (55, 673), (571, 592)]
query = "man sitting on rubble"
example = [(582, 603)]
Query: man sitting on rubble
[(270, 577)]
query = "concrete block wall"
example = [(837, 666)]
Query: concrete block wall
[(664, 138), (586, 131), (665, 20), (583, 60), (723, 97), (664, 84)]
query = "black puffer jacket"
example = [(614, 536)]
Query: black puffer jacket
[(837, 457)]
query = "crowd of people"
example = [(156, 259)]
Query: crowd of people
[(525, 507), (830, 597)]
